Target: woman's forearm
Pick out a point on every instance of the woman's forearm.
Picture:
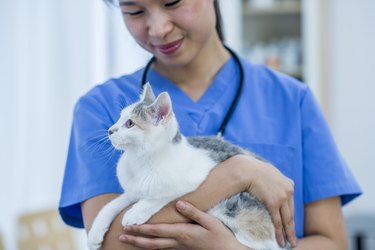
(324, 226)
(224, 181)
(310, 243)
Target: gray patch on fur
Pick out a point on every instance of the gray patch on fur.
(218, 149)
(177, 138)
(249, 201)
(234, 207)
(242, 201)
(231, 207)
(139, 110)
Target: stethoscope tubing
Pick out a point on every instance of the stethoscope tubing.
(232, 107)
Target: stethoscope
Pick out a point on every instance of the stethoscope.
(233, 106)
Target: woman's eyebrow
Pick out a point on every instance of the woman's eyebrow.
(127, 3)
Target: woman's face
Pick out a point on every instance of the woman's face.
(174, 31)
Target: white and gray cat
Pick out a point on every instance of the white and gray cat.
(160, 165)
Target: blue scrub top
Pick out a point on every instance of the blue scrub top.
(277, 117)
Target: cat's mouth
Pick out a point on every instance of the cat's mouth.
(120, 145)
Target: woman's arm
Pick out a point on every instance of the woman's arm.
(208, 233)
(324, 226)
(324, 229)
(225, 180)
(228, 178)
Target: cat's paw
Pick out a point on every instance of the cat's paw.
(95, 238)
(134, 217)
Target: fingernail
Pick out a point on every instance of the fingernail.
(181, 205)
(282, 243)
(294, 243)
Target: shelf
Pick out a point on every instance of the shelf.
(297, 72)
(272, 34)
(287, 8)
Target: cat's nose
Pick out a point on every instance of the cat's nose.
(111, 131)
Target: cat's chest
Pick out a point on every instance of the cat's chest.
(146, 172)
(175, 174)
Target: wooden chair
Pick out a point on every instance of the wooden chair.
(44, 230)
(2, 247)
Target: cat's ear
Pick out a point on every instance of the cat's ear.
(147, 94)
(161, 109)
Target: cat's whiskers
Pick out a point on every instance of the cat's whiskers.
(98, 143)
(98, 136)
(101, 148)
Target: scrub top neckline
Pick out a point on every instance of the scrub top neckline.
(217, 97)
(222, 79)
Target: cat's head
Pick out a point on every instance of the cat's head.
(146, 124)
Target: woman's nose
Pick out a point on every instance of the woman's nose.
(159, 25)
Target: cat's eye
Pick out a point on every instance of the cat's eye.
(129, 123)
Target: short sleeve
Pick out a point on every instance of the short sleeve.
(325, 173)
(90, 168)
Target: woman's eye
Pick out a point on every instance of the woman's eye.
(172, 3)
(129, 123)
(136, 13)
(133, 13)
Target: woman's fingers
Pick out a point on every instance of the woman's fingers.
(276, 220)
(287, 215)
(191, 212)
(149, 243)
(283, 220)
(154, 230)
(169, 235)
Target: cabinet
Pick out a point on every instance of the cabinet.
(271, 34)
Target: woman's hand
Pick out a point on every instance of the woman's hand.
(275, 190)
(209, 233)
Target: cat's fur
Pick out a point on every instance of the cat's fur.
(160, 165)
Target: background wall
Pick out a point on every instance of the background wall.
(352, 64)
(340, 52)
(340, 59)
(53, 52)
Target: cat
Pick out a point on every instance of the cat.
(160, 165)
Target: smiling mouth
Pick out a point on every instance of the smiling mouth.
(170, 48)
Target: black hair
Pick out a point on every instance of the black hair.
(219, 19)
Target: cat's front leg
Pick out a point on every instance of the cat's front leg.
(142, 211)
(104, 219)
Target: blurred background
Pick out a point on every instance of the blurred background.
(52, 52)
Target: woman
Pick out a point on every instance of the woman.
(276, 117)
